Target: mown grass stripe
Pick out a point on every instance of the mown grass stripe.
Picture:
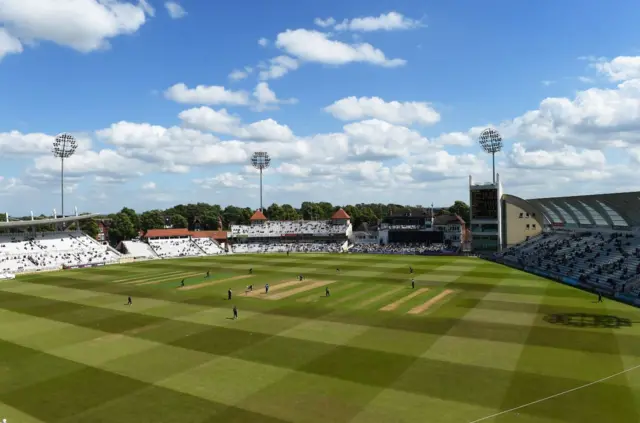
(431, 302)
(394, 305)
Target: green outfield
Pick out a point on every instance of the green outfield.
(473, 341)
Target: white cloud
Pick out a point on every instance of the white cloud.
(149, 186)
(546, 83)
(290, 169)
(264, 94)
(621, 68)
(376, 139)
(565, 158)
(278, 67)
(584, 144)
(9, 44)
(204, 94)
(595, 118)
(207, 119)
(263, 42)
(174, 149)
(237, 74)
(225, 180)
(16, 143)
(220, 121)
(324, 23)
(11, 186)
(585, 79)
(353, 108)
(267, 99)
(314, 46)
(104, 163)
(84, 25)
(392, 21)
(454, 138)
(175, 10)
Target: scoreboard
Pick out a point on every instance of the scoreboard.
(484, 204)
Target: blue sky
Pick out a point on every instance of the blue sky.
(557, 79)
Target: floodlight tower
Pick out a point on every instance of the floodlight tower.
(261, 161)
(63, 147)
(491, 143)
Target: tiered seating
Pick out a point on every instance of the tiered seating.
(139, 249)
(278, 229)
(404, 227)
(180, 247)
(601, 259)
(398, 248)
(67, 249)
(302, 247)
(24, 252)
(209, 246)
(16, 264)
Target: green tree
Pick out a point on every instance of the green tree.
(152, 219)
(179, 221)
(274, 212)
(209, 221)
(90, 227)
(461, 209)
(121, 228)
(289, 213)
(133, 217)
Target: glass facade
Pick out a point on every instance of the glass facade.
(485, 242)
(597, 217)
(581, 217)
(553, 216)
(613, 215)
(565, 215)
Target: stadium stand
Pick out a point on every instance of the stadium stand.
(604, 260)
(138, 250)
(400, 248)
(280, 229)
(51, 250)
(264, 236)
(175, 247)
(208, 246)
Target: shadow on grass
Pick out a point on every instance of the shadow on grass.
(588, 320)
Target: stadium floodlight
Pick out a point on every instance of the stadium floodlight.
(261, 161)
(491, 143)
(63, 147)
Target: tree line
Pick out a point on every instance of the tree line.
(127, 223)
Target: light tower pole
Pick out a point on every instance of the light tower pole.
(261, 161)
(63, 147)
(491, 143)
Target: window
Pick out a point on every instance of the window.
(527, 226)
(534, 226)
(527, 215)
(521, 215)
(533, 215)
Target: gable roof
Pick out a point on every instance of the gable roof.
(154, 233)
(209, 234)
(258, 215)
(340, 214)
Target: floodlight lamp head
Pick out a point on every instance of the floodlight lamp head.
(490, 140)
(260, 160)
(64, 146)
